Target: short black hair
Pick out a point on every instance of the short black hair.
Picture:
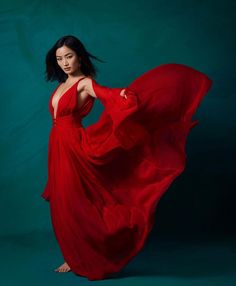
(54, 72)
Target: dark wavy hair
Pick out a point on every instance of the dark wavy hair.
(54, 72)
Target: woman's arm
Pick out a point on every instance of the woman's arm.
(88, 87)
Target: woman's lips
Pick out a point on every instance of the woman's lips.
(67, 69)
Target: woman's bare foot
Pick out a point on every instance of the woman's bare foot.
(63, 268)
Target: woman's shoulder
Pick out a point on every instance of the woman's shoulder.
(87, 83)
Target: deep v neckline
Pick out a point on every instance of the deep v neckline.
(57, 105)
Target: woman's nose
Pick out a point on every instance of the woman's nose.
(65, 63)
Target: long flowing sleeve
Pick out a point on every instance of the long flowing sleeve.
(160, 103)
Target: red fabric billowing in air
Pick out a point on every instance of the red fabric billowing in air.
(105, 180)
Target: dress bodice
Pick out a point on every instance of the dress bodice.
(68, 113)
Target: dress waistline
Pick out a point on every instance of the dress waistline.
(71, 120)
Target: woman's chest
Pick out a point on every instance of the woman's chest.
(72, 100)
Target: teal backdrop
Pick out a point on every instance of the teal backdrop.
(193, 241)
(131, 37)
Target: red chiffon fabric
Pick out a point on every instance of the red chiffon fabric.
(105, 180)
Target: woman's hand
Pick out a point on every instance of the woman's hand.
(122, 93)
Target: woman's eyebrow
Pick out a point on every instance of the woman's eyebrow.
(65, 55)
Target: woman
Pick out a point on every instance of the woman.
(105, 180)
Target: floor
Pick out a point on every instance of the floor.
(30, 259)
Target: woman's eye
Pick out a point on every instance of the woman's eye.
(69, 57)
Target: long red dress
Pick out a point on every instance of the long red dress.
(105, 180)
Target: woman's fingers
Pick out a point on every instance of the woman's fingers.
(122, 93)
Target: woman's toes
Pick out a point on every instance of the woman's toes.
(63, 268)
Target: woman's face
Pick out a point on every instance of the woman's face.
(67, 60)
